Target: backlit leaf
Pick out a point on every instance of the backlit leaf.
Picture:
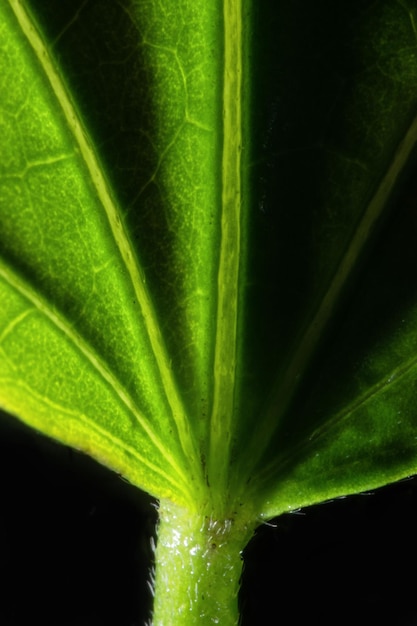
(201, 284)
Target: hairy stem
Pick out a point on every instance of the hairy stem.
(198, 567)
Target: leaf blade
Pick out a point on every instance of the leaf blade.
(289, 423)
(111, 243)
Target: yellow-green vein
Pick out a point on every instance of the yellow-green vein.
(229, 255)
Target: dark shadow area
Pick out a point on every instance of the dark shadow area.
(313, 169)
(345, 562)
(76, 538)
(373, 318)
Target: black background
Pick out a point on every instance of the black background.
(75, 549)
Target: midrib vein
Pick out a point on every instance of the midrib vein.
(228, 271)
(62, 325)
(285, 389)
(120, 235)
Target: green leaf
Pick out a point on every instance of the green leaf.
(79, 334)
(193, 289)
(344, 421)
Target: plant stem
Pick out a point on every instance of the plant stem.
(198, 567)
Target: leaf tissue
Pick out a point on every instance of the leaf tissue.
(198, 285)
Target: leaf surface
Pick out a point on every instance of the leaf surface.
(347, 416)
(73, 285)
(196, 258)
